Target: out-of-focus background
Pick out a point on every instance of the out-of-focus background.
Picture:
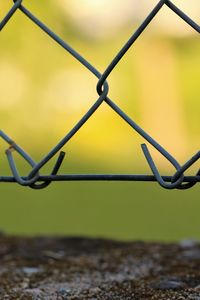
(44, 92)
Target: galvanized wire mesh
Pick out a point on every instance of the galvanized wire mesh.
(37, 181)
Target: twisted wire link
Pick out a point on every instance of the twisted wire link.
(36, 181)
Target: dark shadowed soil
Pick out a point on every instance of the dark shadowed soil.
(78, 268)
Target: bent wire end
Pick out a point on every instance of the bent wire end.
(14, 170)
(22, 153)
(156, 173)
(32, 181)
(54, 172)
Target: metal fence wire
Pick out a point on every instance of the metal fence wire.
(37, 181)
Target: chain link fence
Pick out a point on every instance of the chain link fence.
(35, 180)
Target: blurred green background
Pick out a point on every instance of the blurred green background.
(44, 92)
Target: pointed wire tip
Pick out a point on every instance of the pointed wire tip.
(143, 146)
(62, 154)
(147, 154)
(59, 162)
(145, 149)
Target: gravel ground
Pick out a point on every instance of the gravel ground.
(81, 268)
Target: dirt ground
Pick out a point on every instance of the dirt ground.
(81, 268)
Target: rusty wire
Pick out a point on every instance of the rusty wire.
(36, 181)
